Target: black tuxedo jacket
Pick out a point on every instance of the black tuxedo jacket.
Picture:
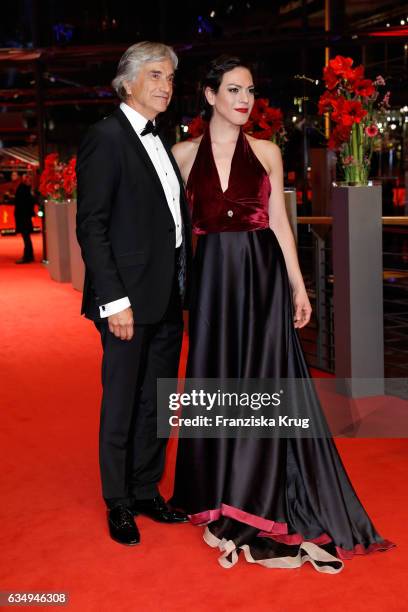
(124, 225)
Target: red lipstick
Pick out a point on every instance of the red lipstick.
(242, 110)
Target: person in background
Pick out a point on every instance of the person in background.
(23, 213)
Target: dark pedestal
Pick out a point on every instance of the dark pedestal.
(358, 290)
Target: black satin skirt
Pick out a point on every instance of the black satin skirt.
(281, 501)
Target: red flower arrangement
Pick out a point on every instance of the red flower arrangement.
(69, 180)
(196, 127)
(58, 180)
(265, 123)
(353, 104)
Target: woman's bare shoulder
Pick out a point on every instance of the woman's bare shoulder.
(267, 147)
(185, 153)
(186, 149)
(268, 153)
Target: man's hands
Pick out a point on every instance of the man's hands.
(121, 324)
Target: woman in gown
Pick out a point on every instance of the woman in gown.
(280, 501)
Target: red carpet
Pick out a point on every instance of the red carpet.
(53, 527)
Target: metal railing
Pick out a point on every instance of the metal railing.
(315, 256)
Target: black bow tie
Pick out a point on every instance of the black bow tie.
(149, 128)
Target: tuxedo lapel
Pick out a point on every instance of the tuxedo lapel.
(173, 161)
(185, 250)
(141, 151)
(183, 201)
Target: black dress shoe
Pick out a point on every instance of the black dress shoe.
(122, 526)
(158, 510)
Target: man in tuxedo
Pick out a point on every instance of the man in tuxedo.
(134, 231)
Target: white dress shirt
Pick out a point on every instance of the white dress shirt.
(171, 187)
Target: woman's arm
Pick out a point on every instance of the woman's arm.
(279, 223)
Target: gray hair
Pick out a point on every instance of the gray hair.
(133, 59)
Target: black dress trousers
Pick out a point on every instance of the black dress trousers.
(130, 453)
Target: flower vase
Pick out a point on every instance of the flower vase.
(56, 214)
(358, 290)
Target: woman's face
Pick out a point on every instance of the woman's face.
(235, 97)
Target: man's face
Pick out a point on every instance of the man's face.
(150, 93)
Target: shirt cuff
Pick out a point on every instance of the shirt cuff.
(114, 307)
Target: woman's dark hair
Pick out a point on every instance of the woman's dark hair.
(213, 78)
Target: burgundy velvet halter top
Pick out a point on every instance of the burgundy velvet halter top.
(244, 204)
